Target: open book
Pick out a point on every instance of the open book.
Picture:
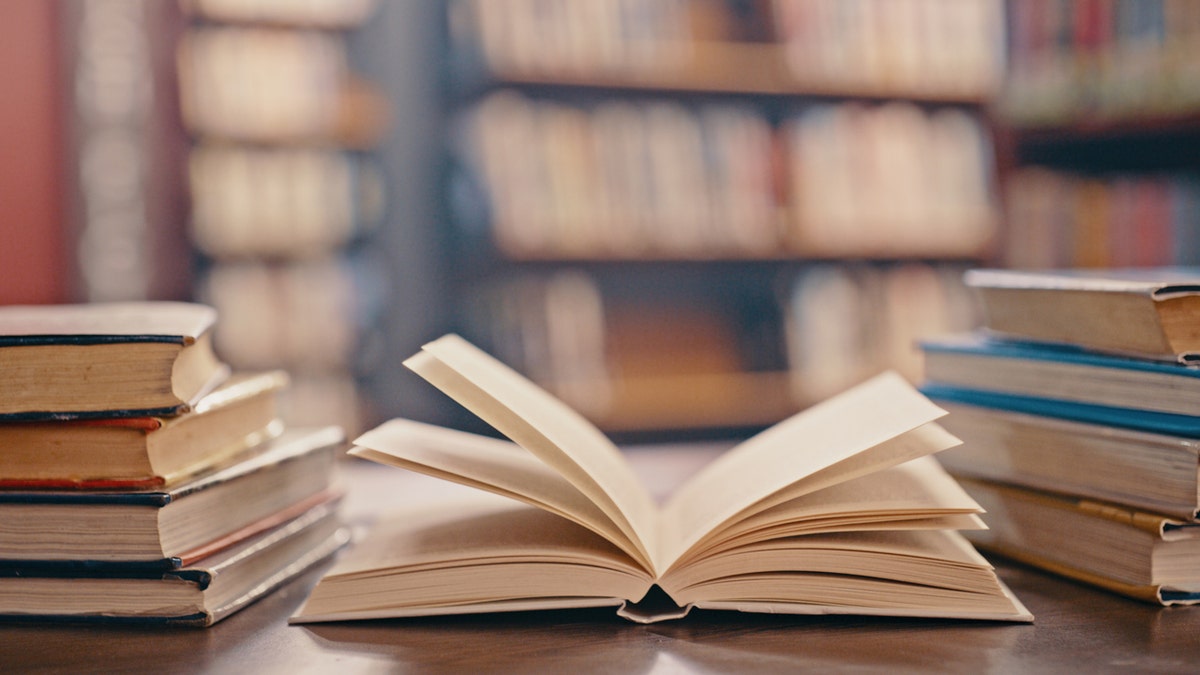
(835, 510)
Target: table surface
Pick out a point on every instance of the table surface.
(1077, 628)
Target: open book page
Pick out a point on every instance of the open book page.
(545, 426)
(908, 573)
(490, 464)
(884, 415)
(474, 550)
(931, 558)
(918, 494)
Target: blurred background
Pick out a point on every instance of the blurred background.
(684, 217)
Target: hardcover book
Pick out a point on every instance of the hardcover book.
(105, 359)
(228, 424)
(200, 593)
(1143, 555)
(1149, 471)
(838, 510)
(1061, 372)
(1149, 312)
(153, 527)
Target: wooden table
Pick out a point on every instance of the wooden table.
(1078, 629)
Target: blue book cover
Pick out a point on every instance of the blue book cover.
(1064, 373)
(1129, 418)
(984, 344)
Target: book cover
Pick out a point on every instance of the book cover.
(129, 359)
(1127, 418)
(199, 593)
(1143, 555)
(1150, 471)
(1148, 312)
(1062, 372)
(132, 453)
(149, 525)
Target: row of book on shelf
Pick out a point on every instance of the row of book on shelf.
(840, 324)
(284, 202)
(659, 178)
(285, 194)
(312, 317)
(141, 480)
(1101, 60)
(275, 84)
(1058, 219)
(873, 45)
(1078, 411)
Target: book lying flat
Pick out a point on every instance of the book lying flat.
(1061, 372)
(150, 526)
(1124, 418)
(1146, 312)
(143, 452)
(1152, 471)
(105, 359)
(199, 594)
(1135, 553)
(838, 510)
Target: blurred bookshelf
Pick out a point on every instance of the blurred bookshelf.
(1100, 119)
(701, 216)
(286, 194)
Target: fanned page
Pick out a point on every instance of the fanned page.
(473, 553)
(878, 424)
(546, 427)
(489, 464)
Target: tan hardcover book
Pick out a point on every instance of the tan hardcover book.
(226, 425)
(94, 529)
(837, 510)
(1136, 553)
(1143, 312)
(105, 359)
(198, 593)
(1153, 471)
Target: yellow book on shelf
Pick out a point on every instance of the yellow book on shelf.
(837, 510)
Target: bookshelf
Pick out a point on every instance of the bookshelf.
(701, 216)
(1100, 117)
(286, 193)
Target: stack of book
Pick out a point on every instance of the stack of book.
(139, 479)
(1079, 408)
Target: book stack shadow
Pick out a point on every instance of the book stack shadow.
(1079, 407)
(140, 480)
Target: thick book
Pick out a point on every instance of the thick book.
(837, 510)
(82, 527)
(1150, 471)
(1150, 312)
(1124, 418)
(129, 453)
(1143, 555)
(198, 594)
(105, 359)
(1061, 372)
